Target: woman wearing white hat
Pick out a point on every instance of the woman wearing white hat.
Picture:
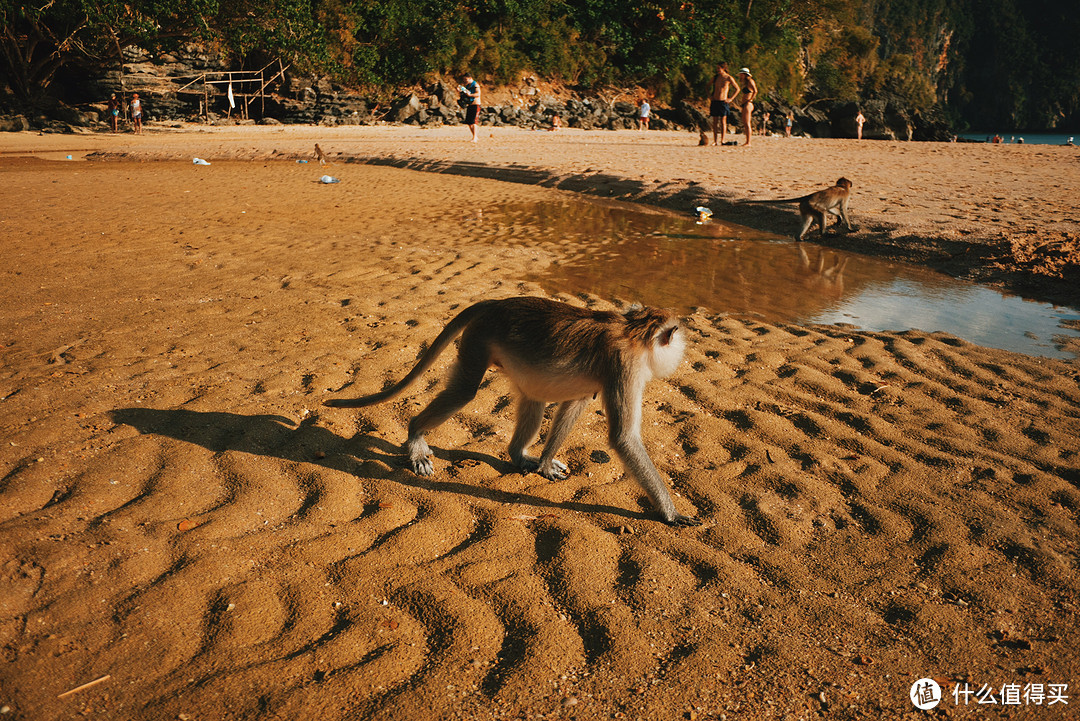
(749, 90)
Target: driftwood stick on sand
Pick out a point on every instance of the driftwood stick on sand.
(85, 686)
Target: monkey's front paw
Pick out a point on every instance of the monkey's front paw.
(423, 466)
(556, 471)
(681, 521)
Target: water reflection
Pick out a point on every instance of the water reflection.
(617, 250)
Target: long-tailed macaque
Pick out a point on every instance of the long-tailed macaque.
(553, 353)
(816, 206)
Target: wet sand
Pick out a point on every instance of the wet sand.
(180, 514)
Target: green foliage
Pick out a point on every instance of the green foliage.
(842, 69)
(901, 78)
(1006, 63)
(1022, 70)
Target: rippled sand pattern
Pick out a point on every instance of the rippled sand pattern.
(177, 510)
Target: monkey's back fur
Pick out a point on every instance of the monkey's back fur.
(575, 342)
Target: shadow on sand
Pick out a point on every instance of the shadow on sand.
(363, 455)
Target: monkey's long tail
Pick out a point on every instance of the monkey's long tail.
(452, 330)
(778, 200)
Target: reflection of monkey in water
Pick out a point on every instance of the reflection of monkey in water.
(816, 206)
(825, 280)
(553, 353)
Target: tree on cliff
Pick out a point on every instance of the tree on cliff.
(38, 39)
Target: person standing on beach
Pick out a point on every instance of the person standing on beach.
(136, 113)
(643, 115)
(114, 112)
(471, 92)
(859, 120)
(787, 125)
(720, 101)
(749, 91)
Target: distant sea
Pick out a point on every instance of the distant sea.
(1029, 138)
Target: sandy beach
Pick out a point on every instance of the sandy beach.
(186, 528)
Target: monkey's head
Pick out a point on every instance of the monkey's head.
(657, 333)
(844, 183)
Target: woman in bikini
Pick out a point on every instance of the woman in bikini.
(749, 90)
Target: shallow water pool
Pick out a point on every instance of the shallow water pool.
(618, 250)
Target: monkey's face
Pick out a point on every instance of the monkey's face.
(666, 351)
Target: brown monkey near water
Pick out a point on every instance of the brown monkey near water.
(816, 207)
(553, 353)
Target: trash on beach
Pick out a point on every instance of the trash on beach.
(327, 179)
(200, 161)
(302, 162)
(69, 157)
(703, 212)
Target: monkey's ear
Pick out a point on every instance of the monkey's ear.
(667, 335)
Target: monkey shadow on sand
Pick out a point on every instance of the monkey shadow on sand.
(363, 455)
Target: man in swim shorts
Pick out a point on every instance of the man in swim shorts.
(470, 91)
(720, 101)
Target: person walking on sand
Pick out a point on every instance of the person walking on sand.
(859, 120)
(114, 112)
(720, 97)
(643, 115)
(136, 113)
(471, 91)
(749, 91)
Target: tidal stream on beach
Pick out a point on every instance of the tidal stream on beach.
(663, 258)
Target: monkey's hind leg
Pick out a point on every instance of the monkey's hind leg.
(565, 416)
(530, 416)
(807, 221)
(461, 388)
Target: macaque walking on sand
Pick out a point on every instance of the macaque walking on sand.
(553, 353)
(816, 207)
